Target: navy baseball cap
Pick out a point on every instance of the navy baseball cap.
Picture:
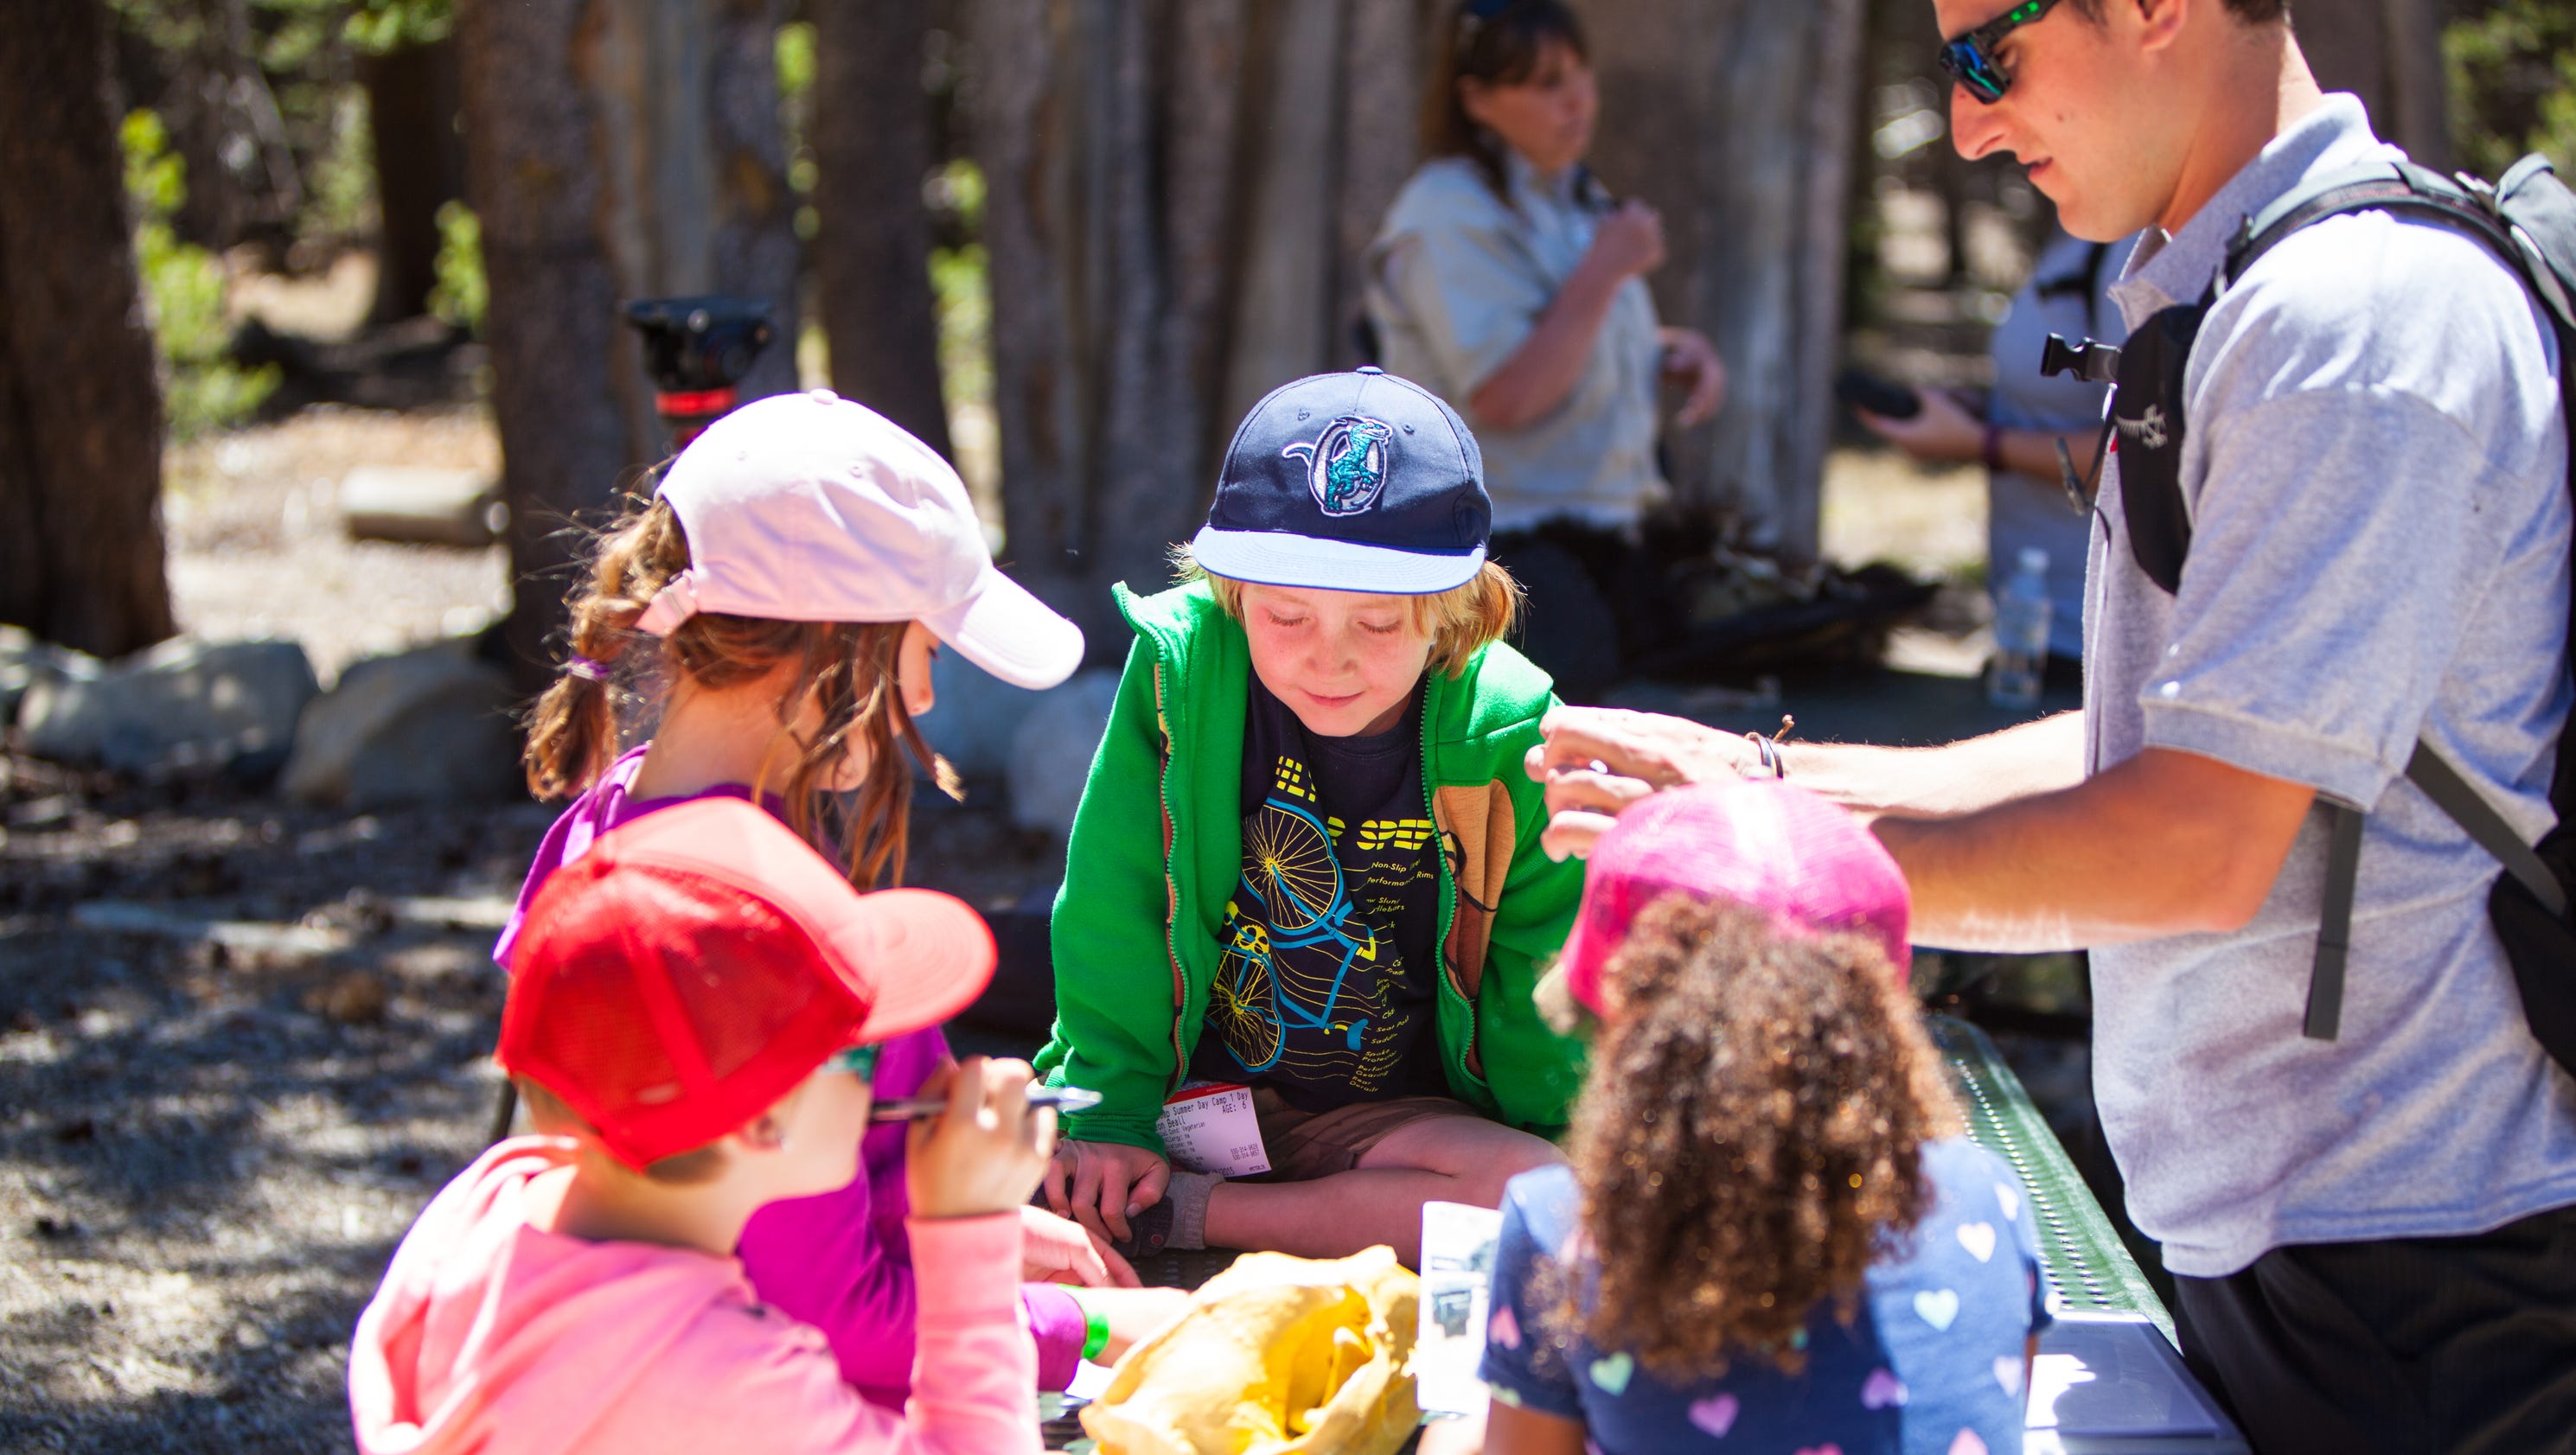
(1350, 482)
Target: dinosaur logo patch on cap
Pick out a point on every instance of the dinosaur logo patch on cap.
(1346, 465)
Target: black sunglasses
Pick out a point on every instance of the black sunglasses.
(1971, 58)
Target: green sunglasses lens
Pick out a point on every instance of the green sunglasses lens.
(858, 1061)
(1963, 60)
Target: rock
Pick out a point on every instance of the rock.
(1052, 749)
(24, 661)
(973, 721)
(413, 503)
(425, 726)
(181, 706)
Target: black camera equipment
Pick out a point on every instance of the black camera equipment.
(698, 350)
(2091, 362)
(2094, 364)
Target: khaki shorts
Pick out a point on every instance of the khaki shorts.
(1305, 1145)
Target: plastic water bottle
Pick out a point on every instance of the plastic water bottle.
(2021, 635)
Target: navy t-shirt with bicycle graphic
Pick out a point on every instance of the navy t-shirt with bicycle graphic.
(1328, 988)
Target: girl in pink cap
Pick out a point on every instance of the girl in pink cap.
(778, 604)
(1774, 1233)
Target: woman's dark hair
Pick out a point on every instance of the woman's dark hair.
(1497, 43)
(1750, 1136)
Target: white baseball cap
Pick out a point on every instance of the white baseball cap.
(811, 507)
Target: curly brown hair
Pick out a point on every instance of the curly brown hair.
(1750, 1135)
(847, 668)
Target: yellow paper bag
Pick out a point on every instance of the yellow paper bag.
(1276, 1356)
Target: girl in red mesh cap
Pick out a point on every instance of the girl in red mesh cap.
(778, 603)
(694, 1020)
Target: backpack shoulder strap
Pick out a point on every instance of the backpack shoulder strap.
(2387, 186)
(2475, 209)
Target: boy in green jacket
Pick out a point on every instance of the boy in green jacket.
(1307, 859)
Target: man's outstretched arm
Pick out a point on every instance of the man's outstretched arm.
(2006, 844)
(2167, 843)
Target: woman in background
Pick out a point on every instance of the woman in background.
(1509, 282)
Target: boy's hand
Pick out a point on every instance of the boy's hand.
(985, 1153)
(1053, 1250)
(1102, 1184)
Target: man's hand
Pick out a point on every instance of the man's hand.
(1943, 430)
(1102, 1184)
(1598, 760)
(1054, 1250)
(1691, 361)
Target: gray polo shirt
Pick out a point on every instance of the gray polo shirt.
(2376, 474)
(1457, 279)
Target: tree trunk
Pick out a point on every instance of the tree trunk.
(871, 140)
(2389, 53)
(1178, 196)
(81, 560)
(616, 149)
(1106, 130)
(1736, 119)
(412, 106)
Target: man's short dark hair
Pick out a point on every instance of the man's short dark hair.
(2251, 12)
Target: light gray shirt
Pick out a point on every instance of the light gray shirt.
(2375, 468)
(1457, 279)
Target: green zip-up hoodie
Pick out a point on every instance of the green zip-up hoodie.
(1157, 849)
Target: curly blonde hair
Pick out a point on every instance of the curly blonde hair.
(1750, 1133)
(1460, 621)
(847, 668)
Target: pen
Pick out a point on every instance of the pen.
(913, 1108)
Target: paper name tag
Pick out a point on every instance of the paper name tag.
(1209, 1127)
(1457, 1273)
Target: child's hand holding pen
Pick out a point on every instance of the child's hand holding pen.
(914, 1108)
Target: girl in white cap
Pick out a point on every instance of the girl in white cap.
(779, 602)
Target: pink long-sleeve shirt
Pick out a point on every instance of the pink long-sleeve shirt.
(493, 1336)
(839, 1261)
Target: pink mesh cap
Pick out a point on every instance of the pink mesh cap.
(1761, 843)
(811, 507)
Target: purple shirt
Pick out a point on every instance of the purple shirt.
(840, 1261)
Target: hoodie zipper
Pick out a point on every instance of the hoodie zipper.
(1171, 887)
(1448, 901)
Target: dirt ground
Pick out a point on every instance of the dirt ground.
(210, 1141)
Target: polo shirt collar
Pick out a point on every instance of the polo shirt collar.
(1526, 181)
(2169, 269)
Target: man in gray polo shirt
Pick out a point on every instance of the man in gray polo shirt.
(2374, 1237)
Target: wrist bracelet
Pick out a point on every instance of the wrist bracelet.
(1994, 448)
(1095, 1331)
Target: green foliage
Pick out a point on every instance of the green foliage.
(961, 284)
(462, 293)
(795, 51)
(2513, 84)
(378, 26)
(340, 189)
(183, 290)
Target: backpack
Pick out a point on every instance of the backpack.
(2528, 220)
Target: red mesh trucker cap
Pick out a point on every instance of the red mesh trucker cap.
(697, 963)
(1807, 863)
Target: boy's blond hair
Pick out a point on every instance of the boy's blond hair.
(1460, 621)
